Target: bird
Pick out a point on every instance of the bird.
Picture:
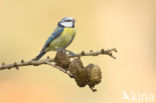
(61, 37)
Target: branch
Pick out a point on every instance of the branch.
(84, 75)
(59, 68)
(96, 53)
(46, 61)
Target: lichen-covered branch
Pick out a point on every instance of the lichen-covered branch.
(44, 61)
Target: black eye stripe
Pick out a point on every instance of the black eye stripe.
(68, 20)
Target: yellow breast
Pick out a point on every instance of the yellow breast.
(63, 39)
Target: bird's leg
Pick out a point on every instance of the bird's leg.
(61, 49)
(71, 53)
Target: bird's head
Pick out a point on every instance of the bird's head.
(67, 22)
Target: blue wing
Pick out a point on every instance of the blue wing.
(57, 32)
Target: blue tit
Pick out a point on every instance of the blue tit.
(61, 38)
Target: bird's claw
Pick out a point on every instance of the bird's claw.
(62, 50)
(71, 53)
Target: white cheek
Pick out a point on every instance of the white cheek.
(67, 24)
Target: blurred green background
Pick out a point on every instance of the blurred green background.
(128, 25)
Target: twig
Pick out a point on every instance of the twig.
(59, 68)
(96, 53)
(44, 61)
(26, 63)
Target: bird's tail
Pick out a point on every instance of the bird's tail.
(39, 56)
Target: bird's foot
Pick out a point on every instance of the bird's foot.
(62, 50)
(71, 53)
